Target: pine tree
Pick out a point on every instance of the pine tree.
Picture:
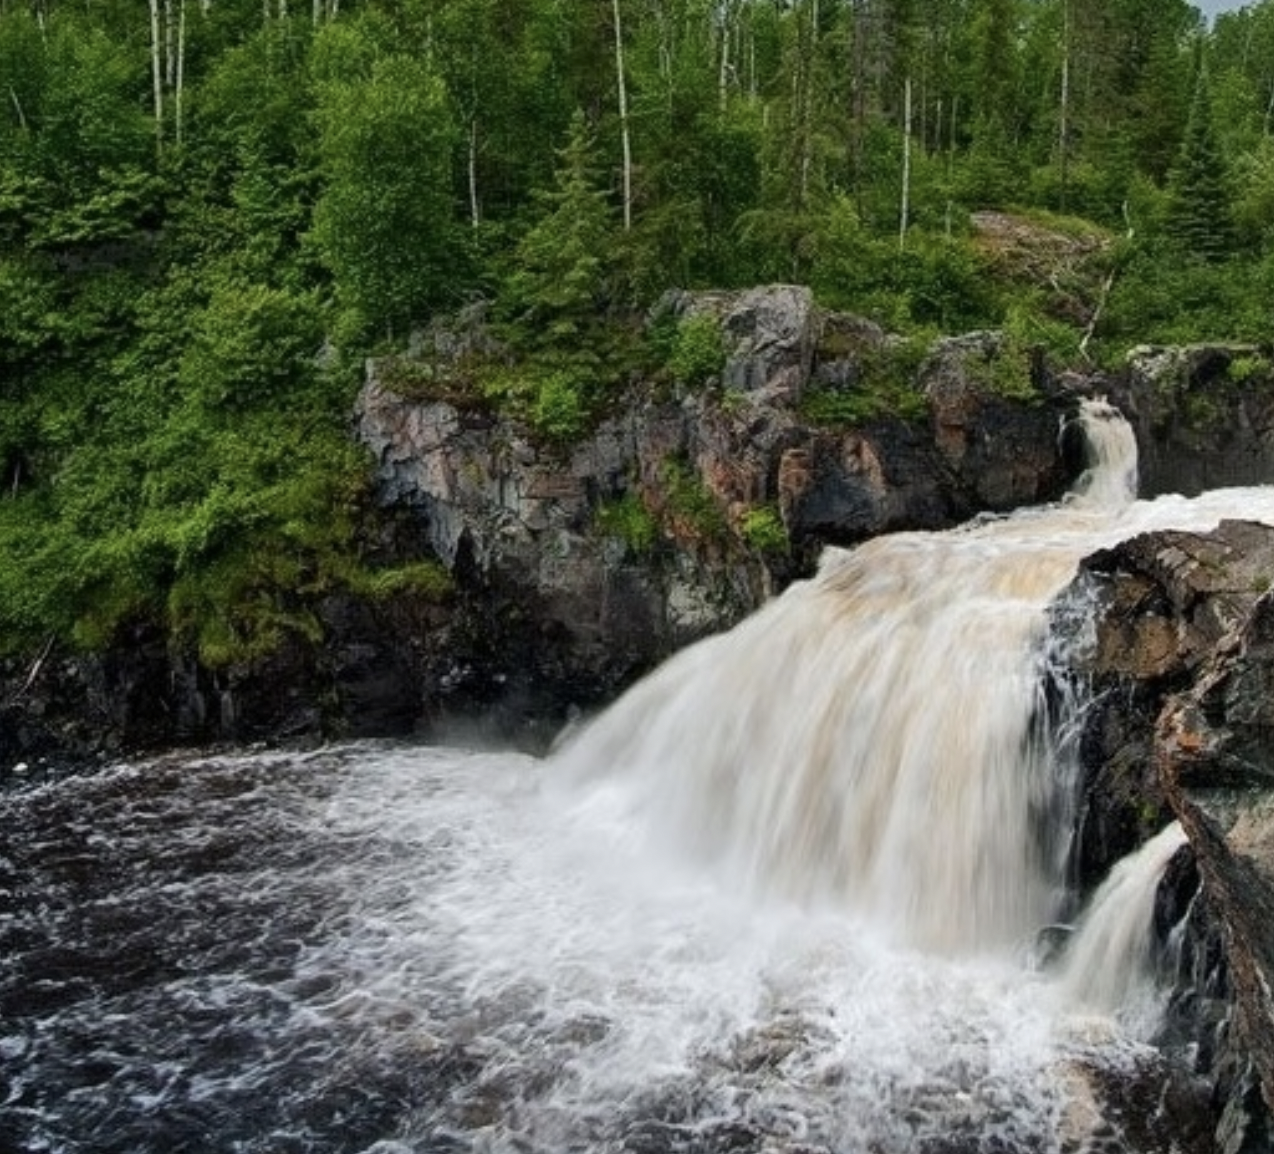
(1199, 215)
(558, 286)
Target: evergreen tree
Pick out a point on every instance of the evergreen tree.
(559, 287)
(1200, 217)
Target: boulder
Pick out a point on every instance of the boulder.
(1214, 748)
(768, 334)
(1203, 414)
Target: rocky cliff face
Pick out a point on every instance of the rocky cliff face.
(684, 510)
(576, 569)
(1183, 674)
(1204, 416)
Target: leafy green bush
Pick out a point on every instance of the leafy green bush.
(688, 502)
(1247, 367)
(559, 412)
(697, 353)
(555, 400)
(885, 386)
(762, 529)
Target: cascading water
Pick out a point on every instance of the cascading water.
(1106, 966)
(771, 901)
(872, 739)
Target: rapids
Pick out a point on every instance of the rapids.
(779, 898)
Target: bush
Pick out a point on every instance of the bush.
(762, 529)
(559, 412)
(698, 353)
(689, 504)
(630, 521)
(885, 387)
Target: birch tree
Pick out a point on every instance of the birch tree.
(168, 67)
(621, 83)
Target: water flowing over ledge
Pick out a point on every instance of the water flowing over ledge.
(775, 900)
(877, 738)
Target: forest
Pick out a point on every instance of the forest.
(212, 211)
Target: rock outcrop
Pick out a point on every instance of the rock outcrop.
(576, 568)
(1183, 672)
(683, 510)
(1203, 414)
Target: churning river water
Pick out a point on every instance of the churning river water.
(782, 897)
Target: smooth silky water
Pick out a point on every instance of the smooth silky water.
(780, 897)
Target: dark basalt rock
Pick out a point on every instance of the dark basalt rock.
(1183, 727)
(562, 609)
(1203, 415)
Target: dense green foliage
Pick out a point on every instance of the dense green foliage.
(209, 213)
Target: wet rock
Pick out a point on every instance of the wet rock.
(1183, 726)
(586, 567)
(578, 569)
(1216, 762)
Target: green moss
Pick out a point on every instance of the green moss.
(885, 386)
(1006, 373)
(628, 519)
(427, 579)
(559, 402)
(689, 503)
(762, 529)
(1247, 368)
(1202, 409)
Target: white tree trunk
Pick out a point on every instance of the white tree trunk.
(180, 72)
(723, 71)
(475, 215)
(17, 107)
(623, 118)
(157, 73)
(1063, 115)
(803, 79)
(904, 211)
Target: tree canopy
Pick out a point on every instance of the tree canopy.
(210, 212)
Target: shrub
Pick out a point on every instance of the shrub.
(628, 519)
(885, 387)
(697, 352)
(559, 412)
(762, 529)
(689, 503)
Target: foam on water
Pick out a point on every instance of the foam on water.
(419, 946)
(876, 739)
(774, 900)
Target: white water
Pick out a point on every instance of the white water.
(772, 901)
(1107, 963)
(871, 742)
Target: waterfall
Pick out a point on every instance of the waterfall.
(873, 740)
(1110, 480)
(1107, 963)
(771, 900)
